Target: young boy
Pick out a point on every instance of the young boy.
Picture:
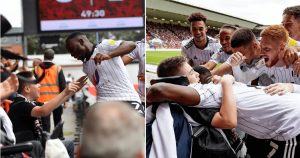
(25, 113)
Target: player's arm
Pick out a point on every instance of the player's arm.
(126, 59)
(227, 117)
(124, 48)
(210, 65)
(183, 95)
(282, 88)
(48, 107)
(225, 68)
(214, 59)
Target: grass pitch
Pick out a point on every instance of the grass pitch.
(155, 57)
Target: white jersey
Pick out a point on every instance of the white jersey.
(259, 114)
(139, 53)
(110, 77)
(220, 57)
(245, 73)
(198, 56)
(275, 74)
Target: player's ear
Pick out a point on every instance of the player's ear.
(26, 89)
(282, 46)
(81, 41)
(282, 49)
(255, 45)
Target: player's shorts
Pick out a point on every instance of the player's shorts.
(137, 106)
(273, 148)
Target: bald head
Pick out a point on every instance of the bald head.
(112, 129)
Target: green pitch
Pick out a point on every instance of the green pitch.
(155, 57)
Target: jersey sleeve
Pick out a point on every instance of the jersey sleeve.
(216, 57)
(201, 92)
(134, 54)
(108, 45)
(247, 76)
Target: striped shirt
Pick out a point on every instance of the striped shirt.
(220, 57)
(110, 77)
(198, 56)
(273, 74)
(139, 53)
(259, 114)
(245, 73)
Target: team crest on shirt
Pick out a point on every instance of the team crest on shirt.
(112, 42)
(95, 79)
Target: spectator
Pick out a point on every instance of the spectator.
(52, 81)
(112, 129)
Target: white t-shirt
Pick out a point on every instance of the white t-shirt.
(139, 53)
(110, 77)
(200, 56)
(259, 114)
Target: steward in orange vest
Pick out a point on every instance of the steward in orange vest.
(49, 82)
(52, 81)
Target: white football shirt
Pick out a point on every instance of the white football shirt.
(110, 77)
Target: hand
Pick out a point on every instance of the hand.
(290, 56)
(101, 57)
(279, 88)
(236, 59)
(74, 87)
(228, 78)
(216, 79)
(82, 81)
(10, 85)
(141, 77)
(296, 68)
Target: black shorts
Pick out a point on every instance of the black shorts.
(137, 106)
(262, 148)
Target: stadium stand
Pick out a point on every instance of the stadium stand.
(172, 35)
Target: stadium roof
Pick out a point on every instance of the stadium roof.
(167, 10)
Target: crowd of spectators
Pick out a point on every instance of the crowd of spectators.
(171, 35)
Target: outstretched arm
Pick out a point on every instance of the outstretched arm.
(48, 107)
(282, 88)
(183, 95)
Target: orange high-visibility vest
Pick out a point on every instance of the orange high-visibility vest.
(49, 84)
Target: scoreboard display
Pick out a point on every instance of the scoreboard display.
(64, 15)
